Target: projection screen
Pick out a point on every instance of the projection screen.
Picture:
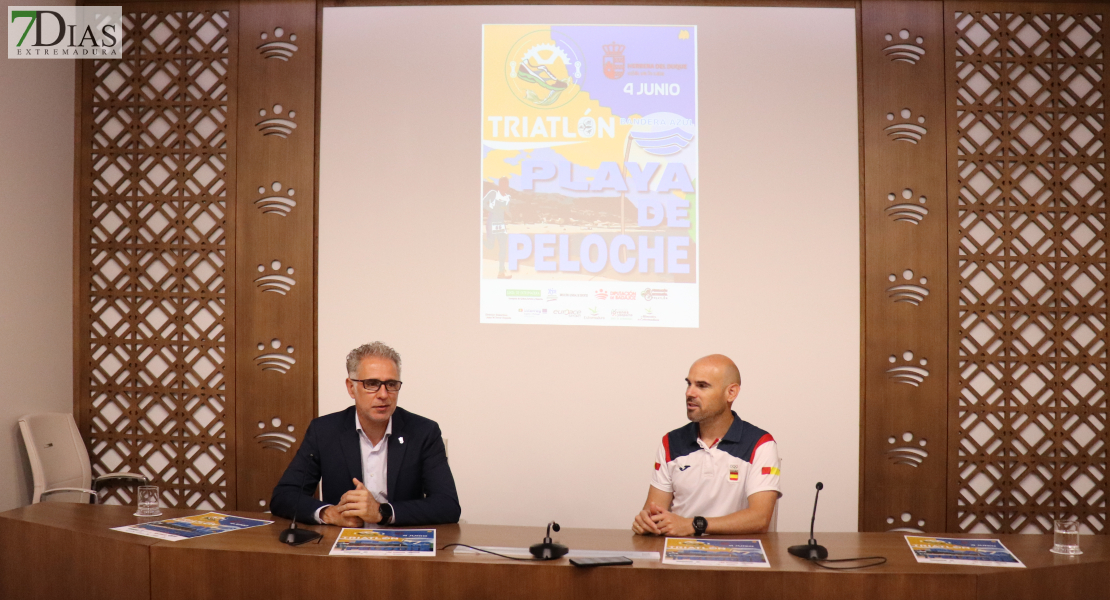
(661, 182)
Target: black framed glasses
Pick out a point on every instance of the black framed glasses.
(373, 385)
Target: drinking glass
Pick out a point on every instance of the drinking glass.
(148, 501)
(1065, 537)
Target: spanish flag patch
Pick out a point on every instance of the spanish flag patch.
(771, 471)
(733, 474)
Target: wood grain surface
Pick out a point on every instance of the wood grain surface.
(273, 243)
(55, 550)
(902, 467)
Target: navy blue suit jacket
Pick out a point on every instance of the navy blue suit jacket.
(419, 482)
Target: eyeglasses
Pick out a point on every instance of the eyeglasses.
(373, 385)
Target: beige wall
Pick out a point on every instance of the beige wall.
(36, 253)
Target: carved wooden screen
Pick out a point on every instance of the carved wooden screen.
(905, 227)
(1027, 267)
(275, 227)
(156, 258)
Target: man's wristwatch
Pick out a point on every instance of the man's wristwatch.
(700, 525)
(386, 512)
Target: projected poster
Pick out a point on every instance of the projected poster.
(589, 202)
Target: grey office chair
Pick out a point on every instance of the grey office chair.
(60, 464)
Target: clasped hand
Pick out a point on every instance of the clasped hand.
(656, 521)
(356, 508)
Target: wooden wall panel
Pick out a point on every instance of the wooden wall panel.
(1027, 266)
(275, 232)
(904, 413)
(154, 305)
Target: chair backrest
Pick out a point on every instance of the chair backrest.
(57, 454)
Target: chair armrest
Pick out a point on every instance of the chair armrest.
(95, 499)
(121, 475)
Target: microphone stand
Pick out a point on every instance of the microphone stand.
(294, 536)
(548, 550)
(811, 551)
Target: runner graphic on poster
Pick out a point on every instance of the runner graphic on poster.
(589, 200)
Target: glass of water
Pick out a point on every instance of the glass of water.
(148, 501)
(1065, 537)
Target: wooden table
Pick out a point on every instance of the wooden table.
(55, 551)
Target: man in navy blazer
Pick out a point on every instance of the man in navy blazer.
(380, 464)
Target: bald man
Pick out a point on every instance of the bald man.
(718, 474)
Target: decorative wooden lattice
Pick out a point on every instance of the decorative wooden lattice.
(1028, 271)
(156, 217)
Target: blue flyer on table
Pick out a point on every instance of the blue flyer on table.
(385, 542)
(715, 553)
(957, 551)
(183, 528)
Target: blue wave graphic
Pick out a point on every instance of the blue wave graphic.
(662, 143)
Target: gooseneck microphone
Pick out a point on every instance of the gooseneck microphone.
(548, 550)
(811, 551)
(294, 536)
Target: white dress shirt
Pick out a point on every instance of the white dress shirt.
(375, 465)
(375, 461)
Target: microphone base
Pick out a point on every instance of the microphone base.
(296, 537)
(809, 551)
(548, 550)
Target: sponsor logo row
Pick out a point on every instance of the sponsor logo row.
(592, 313)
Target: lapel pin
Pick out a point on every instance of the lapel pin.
(401, 439)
